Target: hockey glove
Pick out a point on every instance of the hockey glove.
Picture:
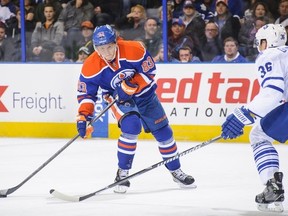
(107, 98)
(235, 122)
(125, 90)
(83, 125)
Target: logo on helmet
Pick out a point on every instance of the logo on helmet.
(101, 35)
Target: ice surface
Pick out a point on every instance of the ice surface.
(225, 175)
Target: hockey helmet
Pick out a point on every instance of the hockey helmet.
(103, 34)
(274, 34)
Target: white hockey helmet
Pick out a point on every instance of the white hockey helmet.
(274, 34)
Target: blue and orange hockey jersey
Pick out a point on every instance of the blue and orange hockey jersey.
(131, 60)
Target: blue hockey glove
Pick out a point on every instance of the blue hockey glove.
(83, 126)
(235, 122)
(125, 90)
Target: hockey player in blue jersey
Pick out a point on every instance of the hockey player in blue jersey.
(126, 69)
(270, 108)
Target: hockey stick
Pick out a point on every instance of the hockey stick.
(70, 198)
(5, 192)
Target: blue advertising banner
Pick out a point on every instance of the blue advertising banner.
(101, 125)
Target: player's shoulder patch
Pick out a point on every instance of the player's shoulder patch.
(93, 65)
(131, 50)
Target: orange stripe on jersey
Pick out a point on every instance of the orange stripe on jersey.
(126, 146)
(86, 109)
(93, 65)
(165, 151)
(131, 50)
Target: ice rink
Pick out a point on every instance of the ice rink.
(225, 174)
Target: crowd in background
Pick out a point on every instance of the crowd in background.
(198, 30)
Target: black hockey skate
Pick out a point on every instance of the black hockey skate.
(270, 200)
(182, 179)
(123, 187)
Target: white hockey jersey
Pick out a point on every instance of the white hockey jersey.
(272, 68)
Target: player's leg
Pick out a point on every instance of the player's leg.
(130, 126)
(155, 121)
(168, 148)
(267, 162)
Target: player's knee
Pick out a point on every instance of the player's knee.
(163, 134)
(258, 135)
(131, 124)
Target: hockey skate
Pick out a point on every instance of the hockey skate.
(270, 200)
(123, 187)
(182, 179)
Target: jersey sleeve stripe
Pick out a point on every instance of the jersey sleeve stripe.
(275, 88)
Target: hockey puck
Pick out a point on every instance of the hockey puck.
(3, 196)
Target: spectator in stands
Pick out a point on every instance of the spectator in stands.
(195, 25)
(59, 55)
(101, 18)
(236, 7)
(186, 55)
(76, 12)
(87, 29)
(6, 47)
(29, 16)
(177, 8)
(178, 38)
(229, 26)
(247, 36)
(5, 14)
(259, 9)
(169, 18)
(152, 37)
(283, 18)
(39, 9)
(260, 15)
(131, 26)
(46, 36)
(212, 45)
(204, 7)
(248, 7)
(231, 54)
(13, 32)
(283, 11)
(13, 23)
(160, 55)
(273, 6)
(10, 5)
(105, 12)
(83, 54)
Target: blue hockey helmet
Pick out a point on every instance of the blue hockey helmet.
(103, 35)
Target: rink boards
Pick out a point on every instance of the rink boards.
(39, 100)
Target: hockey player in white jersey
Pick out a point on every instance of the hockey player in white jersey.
(269, 112)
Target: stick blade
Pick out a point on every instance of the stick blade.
(3, 193)
(64, 197)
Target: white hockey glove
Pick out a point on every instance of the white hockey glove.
(235, 122)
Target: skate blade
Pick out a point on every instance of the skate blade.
(183, 186)
(271, 207)
(120, 189)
